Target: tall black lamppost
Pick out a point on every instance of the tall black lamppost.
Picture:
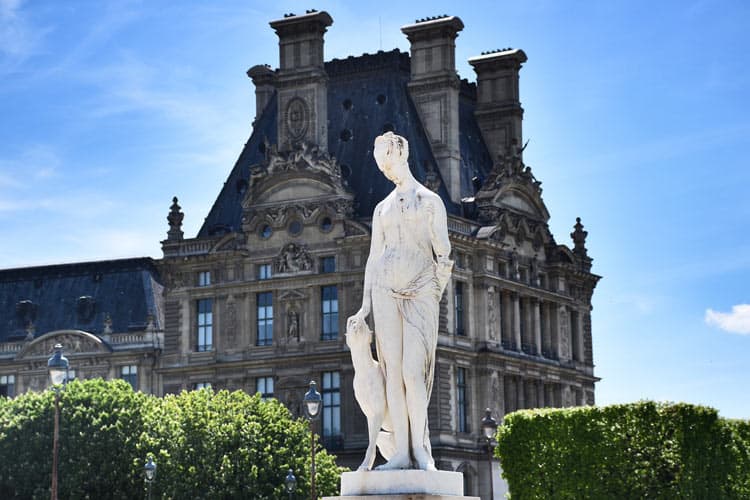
(290, 483)
(313, 401)
(150, 470)
(57, 366)
(489, 427)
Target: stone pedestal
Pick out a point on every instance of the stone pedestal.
(402, 497)
(402, 485)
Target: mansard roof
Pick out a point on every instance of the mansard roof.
(79, 296)
(367, 96)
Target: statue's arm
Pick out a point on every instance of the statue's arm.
(441, 244)
(376, 248)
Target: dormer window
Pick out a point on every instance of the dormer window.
(85, 308)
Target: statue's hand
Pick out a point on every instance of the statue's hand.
(358, 318)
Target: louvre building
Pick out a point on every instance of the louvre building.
(259, 298)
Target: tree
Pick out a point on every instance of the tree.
(206, 445)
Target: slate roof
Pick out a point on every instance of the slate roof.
(367, 95)
(127, 289)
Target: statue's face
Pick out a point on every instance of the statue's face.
(389, 159)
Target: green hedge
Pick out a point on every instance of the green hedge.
(640, 450)
(206, 445)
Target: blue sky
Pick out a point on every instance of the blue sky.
(637, 112)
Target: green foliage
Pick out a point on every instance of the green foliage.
(219, 446)
(640, 450)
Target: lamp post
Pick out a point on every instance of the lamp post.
(489, 426)
(290, 483)
(150, 470)
(57, 366)
(313, 401)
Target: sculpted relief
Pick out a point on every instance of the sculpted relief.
(292, 259)
(406, 272)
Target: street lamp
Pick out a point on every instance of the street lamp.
(313, 401)
(150, 470)
(489, 427)
(57, 366)
(290, 483)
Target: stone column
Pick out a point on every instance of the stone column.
(540, 393)
(508, 393)
(520, 400)
(579, 337)
(516, 320)
(537, 327)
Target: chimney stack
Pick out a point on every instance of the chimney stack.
(302, 83)
(264, 80)
(499, 112)
(434, 88)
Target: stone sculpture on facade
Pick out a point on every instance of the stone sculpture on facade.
(403, 285)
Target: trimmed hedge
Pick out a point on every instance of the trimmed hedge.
(639, 450)
(206, 445)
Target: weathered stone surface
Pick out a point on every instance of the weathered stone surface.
(402, 482)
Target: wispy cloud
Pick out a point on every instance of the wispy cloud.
(19, 39)
(737, 321)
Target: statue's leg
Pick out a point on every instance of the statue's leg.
(417, 399)
(389, 338)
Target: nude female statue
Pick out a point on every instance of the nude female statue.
(406, 273)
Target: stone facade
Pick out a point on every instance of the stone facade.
(259, 298)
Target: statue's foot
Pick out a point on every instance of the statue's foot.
(424, 460)
(363, 467)
(398, 462)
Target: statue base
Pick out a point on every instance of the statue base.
(404, 496)
(398, 484)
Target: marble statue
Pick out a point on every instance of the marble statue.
(406, 273)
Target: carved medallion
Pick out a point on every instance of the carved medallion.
(297, 118)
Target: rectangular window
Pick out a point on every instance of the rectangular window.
(204, 341)
(331, 406)
(129, 374)
(462, 404)
(201, 385)
(458, 303)
(330, 313)
(264, 272)
(204, 278)
(328, 264)
(265, 318)
(8, 385)
(264, 385)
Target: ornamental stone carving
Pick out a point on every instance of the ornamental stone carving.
(292, 259)
(297, 118)
(302, 157)
(72, 341)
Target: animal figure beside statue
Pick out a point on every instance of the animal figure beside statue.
(369, 389)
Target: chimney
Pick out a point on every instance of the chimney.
(434, 88)
(499, 112)
(302, 82)
(264, 80)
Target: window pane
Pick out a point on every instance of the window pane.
(329, 313)
(204, 331)
(265, 318)
(331, 404)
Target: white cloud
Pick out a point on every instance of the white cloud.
(737, 321)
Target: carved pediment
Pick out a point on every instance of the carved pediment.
(289, 295)
(511, 186)
(304, 161)
(73, 342)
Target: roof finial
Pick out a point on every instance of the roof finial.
(579, 239)
(175, 221)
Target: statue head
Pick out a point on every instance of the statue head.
(391, 153)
